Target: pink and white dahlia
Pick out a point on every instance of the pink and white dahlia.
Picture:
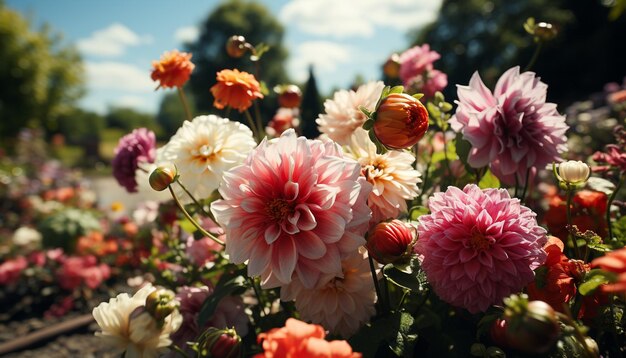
(204, 149)
(295, 206)
(340, 302)
(343, 115)
(415, 61)
(479, 246)
(511, 129)
(391, 174)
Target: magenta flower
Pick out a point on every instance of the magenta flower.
(512, 129)
(137, 147)
(295, 206)
(416, 60)
(479, 246)
(77, 270)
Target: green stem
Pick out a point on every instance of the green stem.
(375, 278)
(570, 193)
(535, 56)
(608, 206)
(200, 206)
(525, 185)
(252, 125)
(259, 122)
(183, 99)
(516, 186)
(253, 283)
(193, 222)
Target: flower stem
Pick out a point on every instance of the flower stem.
(257, 292)
(193, 222)
(533, 59)
(525, 185)
(375, 278)
(255, 132)
(608, 206)
(570, 193)
(259, 123)
(200, 206)
(183, 99)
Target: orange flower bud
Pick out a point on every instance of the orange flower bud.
(163, 176)
(289, 96)
(401, 121)
(389, 241)
(236, 46)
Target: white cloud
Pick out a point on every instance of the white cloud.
(357, 18)
(111, 41)
(187, 34)
(325, 56)
(119, 76)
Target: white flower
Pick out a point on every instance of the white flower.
(126, 326)
(343, 115)
(573, 172)
(25, 236)
(340, 302)
(391, 174)
(204, 149)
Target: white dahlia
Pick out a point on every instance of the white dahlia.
(340, 302)
(391, 174)
(125, 325)
(204, 149)
(343, 115)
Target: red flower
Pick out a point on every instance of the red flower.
(614, 261)
(588, 209)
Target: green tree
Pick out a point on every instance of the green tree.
(237, 17)
(128, 119)
(83, 128)
(171, 114)
(41, 77)
(311, 107)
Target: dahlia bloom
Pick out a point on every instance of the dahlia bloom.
(295, 206)
(511, 129)
(10, 270)
(613, 156)
(416, 60)
(479, 246)
(401, 121)
(235, 89)
(173, 69)
(343, 115)
(301, 340)
(204, 149)
(428, 83)
(125, 324)
(228, 314)
(393, 178)
(82, 269)
(132, 150)
(340, 302)
(614, 261)
(284, 119)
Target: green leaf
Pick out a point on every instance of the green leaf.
(600, 247)
(365, 111)
(433, 110)
(417, 211)
(418, 96)
(225, 287)
(186, 225)
(259, 50)
(445, 106)
(489, 181)
(398, 331)
(396, 89)
(593, 280)
(463, 147)
(402, 279)
(263, 88)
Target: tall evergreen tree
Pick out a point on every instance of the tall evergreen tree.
(311, 107)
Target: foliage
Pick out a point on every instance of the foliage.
(311, 107)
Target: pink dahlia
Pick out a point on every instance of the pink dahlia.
(416, 60)
(294, 206)
(133, 149)
(479, 246)
(511, 129)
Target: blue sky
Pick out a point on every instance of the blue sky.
(118, 39)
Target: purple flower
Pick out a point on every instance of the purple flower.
(511, 129)
(137, 147)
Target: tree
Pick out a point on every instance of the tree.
(83, 128)
(254, 22)
(171, 113)
(41, 77)
(311, 107)
(129, 119)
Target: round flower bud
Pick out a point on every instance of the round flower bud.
(160, 304)
(391, 68)
(220, 343)
(401, 121)
(164, 175)
(531, 327)
(573, 172)
(289, 96)
(389, 241)
(236, 46)
(545, 31)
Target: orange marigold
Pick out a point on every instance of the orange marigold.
(235, 89)
(302, 340)
(173, 69)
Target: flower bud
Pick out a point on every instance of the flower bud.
(160, 304)
(531, 327)
(391, 68)
(545, 31)
(401, 121)
(164, 175)
(236, 46)
(289, 96)
(219, 343)
(573, 172)
(389, 241)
